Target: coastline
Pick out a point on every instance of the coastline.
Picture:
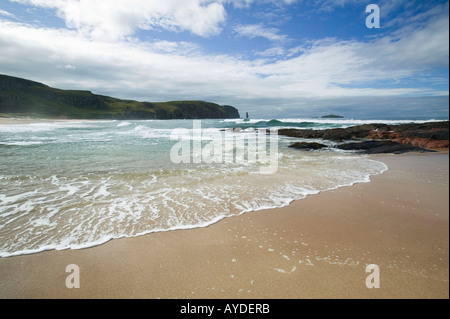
(317, 247)
(27, 120)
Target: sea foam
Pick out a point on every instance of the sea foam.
(99, 181)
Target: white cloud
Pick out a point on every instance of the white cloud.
(416, 46)
(330, 5)
(252, 31)
(247, 3)
(168, 70)
(106, 19)
(241, 3)
(324, 69)
(6, 14)
(173, 47)
(67, 67)
(272, 52)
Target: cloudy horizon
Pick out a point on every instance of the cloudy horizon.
(288, 58)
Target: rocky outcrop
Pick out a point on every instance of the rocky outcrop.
(308, 146)
(424, 136)
(337, 134)
(415, 137)
(379, 147)
(332, 116)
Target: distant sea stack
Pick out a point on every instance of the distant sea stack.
(20, 97)
(332, 116)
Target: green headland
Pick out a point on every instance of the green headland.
(21, 97)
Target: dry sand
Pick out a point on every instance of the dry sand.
(317, 247)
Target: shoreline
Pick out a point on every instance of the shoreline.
(217, 220)
(27, 120)
(316, 247)
(31, 120)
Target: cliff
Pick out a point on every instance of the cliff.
(20, 97)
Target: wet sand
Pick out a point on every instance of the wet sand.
(317, 247)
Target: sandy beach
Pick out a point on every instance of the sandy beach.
(224, 152)
(317, 247)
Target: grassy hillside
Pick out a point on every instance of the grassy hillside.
(20, 97)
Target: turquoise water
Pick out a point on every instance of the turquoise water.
(79, 184)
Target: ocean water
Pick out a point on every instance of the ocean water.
(80, 184)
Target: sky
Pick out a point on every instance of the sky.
(271, 58)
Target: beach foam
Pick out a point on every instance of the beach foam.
(88, 183)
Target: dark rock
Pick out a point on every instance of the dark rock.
(308, 146)
(332, 116)
(432, 135)
(444, 125)
(379, 147)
